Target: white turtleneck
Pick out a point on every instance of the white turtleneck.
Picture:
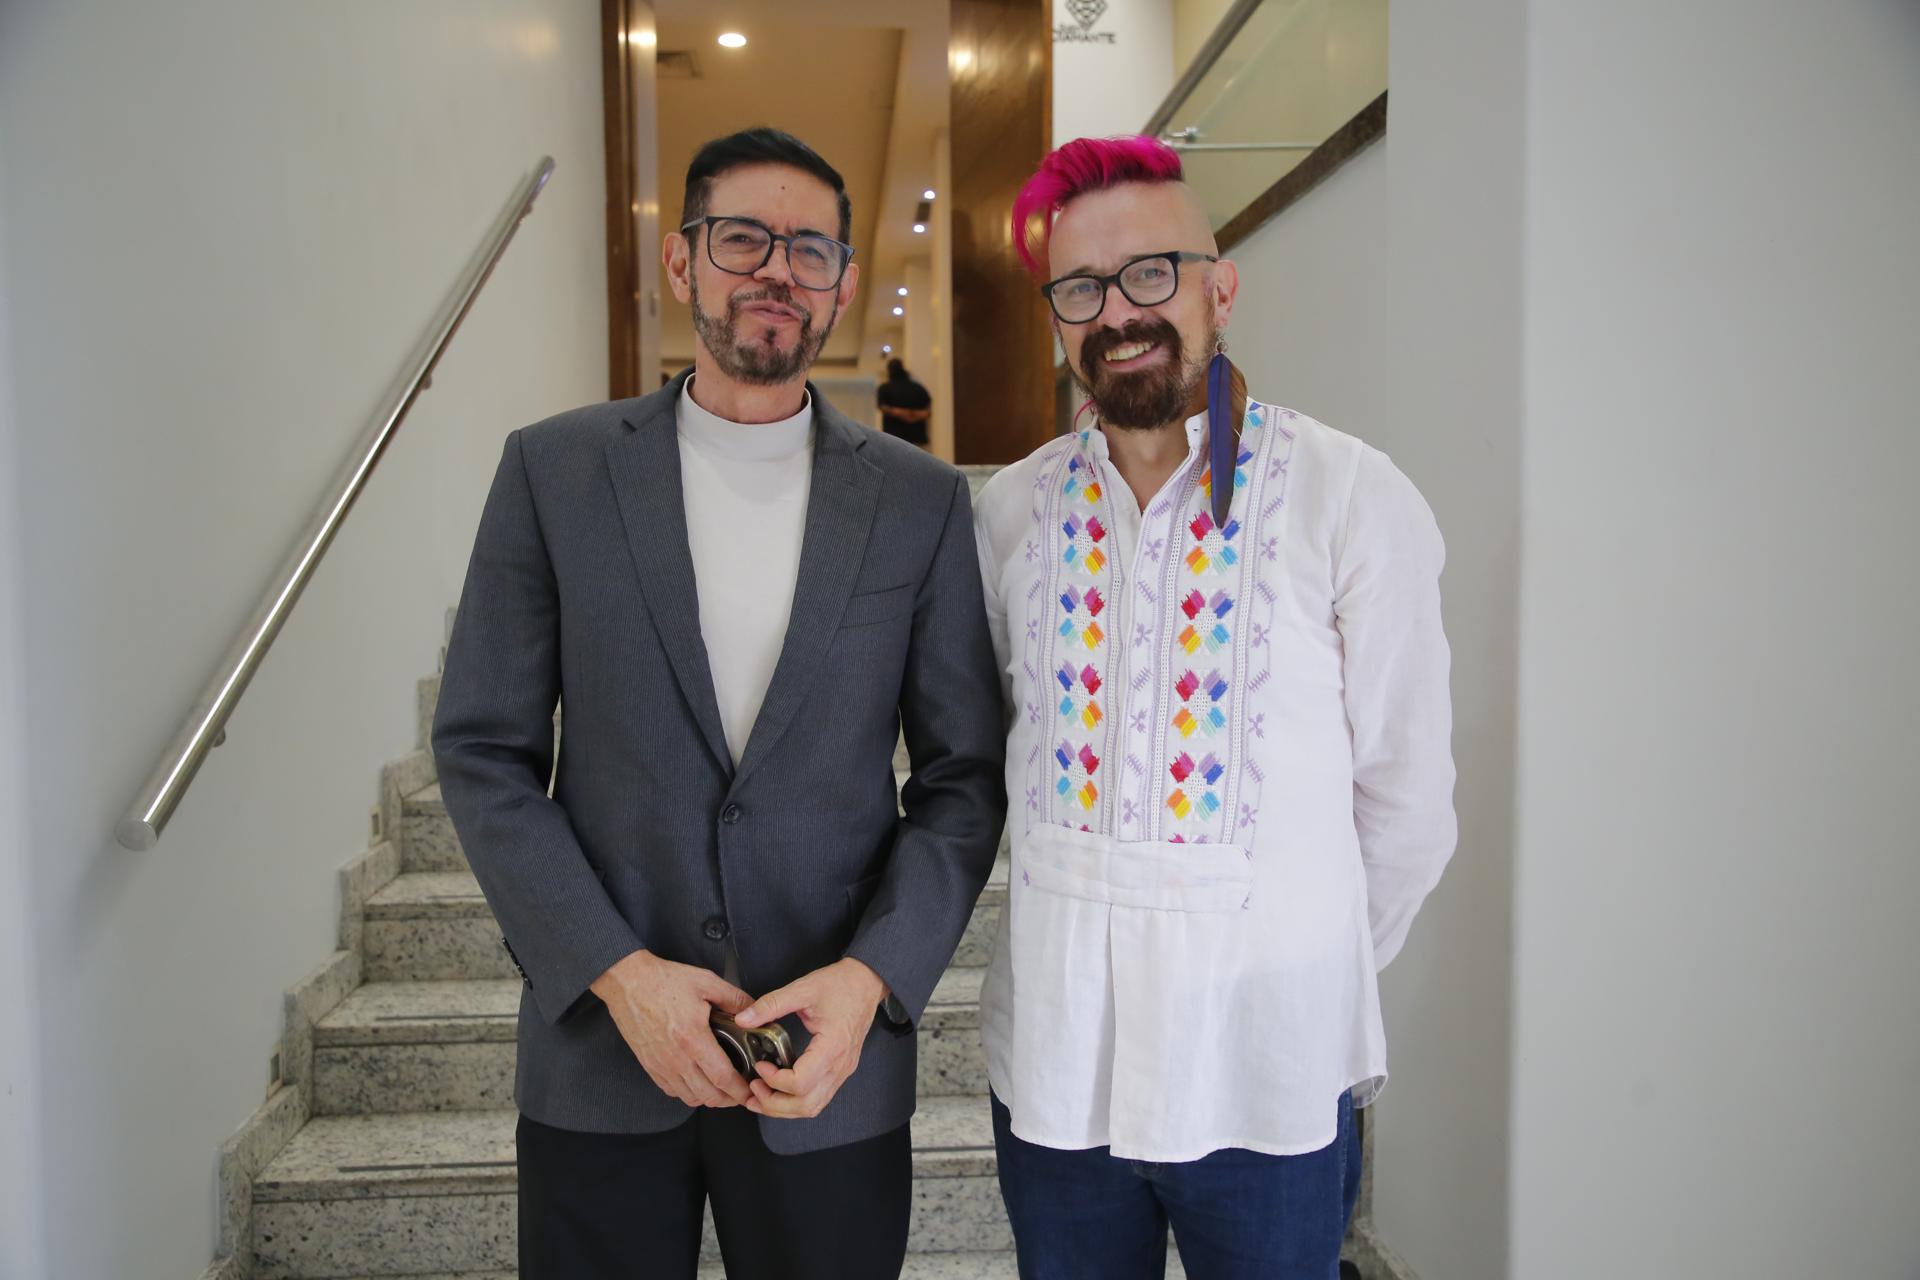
(746, 487)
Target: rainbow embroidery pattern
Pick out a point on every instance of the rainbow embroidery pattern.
(1079, 623)
(1080, 639)
(1077, 702)
(1201, 710)
(1213, 550)
(1076, 785)
(1084, 539)
(1193, 794)
(1206, 622)
(1148, 736)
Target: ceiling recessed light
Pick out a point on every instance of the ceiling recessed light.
(899, 311)
(903, 291)
(927, 194)
(919, 228)
(733, 40)
(887, 349)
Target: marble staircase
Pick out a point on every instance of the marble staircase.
(405, 1165)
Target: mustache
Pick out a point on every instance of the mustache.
(776, 294)
(1156, 331)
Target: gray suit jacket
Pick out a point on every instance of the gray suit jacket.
(581, 589)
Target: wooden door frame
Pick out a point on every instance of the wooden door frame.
(625, 378)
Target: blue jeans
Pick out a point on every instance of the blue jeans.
(1236, 1215)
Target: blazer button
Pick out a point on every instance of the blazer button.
(716, 930)
(730, 815)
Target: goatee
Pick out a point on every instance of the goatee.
(747, 348)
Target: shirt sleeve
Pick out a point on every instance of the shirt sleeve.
(1387, 608)
(989, 520)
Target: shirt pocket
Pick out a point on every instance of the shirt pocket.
(884, 605)
(1156, 875)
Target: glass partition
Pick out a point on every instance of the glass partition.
(1253, 107)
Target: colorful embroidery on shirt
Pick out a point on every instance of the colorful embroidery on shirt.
(1186, 670)
(1081, 579)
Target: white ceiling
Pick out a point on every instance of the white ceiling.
(863, 82)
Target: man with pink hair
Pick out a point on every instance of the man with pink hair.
(1229, 764)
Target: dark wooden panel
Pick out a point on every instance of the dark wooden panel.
(1001, 101)
(623, 247)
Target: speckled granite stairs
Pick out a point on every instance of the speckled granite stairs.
(405, 1167)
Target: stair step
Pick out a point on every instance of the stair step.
(422, 1193)
(428, 842)
(430, 926)
(449, 1046)
(920, 1266)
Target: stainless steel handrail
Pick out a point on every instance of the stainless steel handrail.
(205, 726)
(1203, 61)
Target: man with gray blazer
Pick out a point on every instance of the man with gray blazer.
(739, 598)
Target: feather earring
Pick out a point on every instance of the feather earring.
(1223, 438)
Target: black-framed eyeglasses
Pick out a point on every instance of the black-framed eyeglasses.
(741, 246)
(1146, 281)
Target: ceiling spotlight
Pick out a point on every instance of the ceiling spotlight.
(903, 291)
(919, 228)
(927, 194)
(886, 348)
(899, 311)
(733, 40)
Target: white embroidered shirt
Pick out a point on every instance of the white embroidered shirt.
(1230, 783)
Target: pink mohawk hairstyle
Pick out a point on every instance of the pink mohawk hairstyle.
(1080, 166)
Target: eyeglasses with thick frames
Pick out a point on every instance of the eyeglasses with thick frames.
(1146, 281)
(741, 246)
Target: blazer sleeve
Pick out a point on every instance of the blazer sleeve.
(955, 799)
(494, 746)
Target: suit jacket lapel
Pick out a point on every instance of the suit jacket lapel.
(840, 508)
(646, 479)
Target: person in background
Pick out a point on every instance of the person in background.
(905, 405)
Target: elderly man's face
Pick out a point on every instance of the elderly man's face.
(1143, 366)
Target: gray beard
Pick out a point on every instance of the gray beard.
(755, 363)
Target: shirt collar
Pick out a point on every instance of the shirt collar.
(1094, 438)
(744, 441)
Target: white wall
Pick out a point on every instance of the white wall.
(1108, 78)
(226, 224)
(1455, 141)
(1386, 303)
(20, 1200)
(1716, 1037)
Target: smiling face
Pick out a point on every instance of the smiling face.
(1143, 367)
(761, 329)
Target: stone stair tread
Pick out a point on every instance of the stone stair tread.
(460, 1011)
(455, 1011)
(958, 988)
(419, 1153)
(427, 799)
(413, 894)
(920, 1266)
(472, 1153)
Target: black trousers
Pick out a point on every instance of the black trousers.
(614, 1206)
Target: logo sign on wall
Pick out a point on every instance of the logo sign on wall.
(1086, 13)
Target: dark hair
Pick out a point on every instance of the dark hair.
(896, 370)
(758, 146)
